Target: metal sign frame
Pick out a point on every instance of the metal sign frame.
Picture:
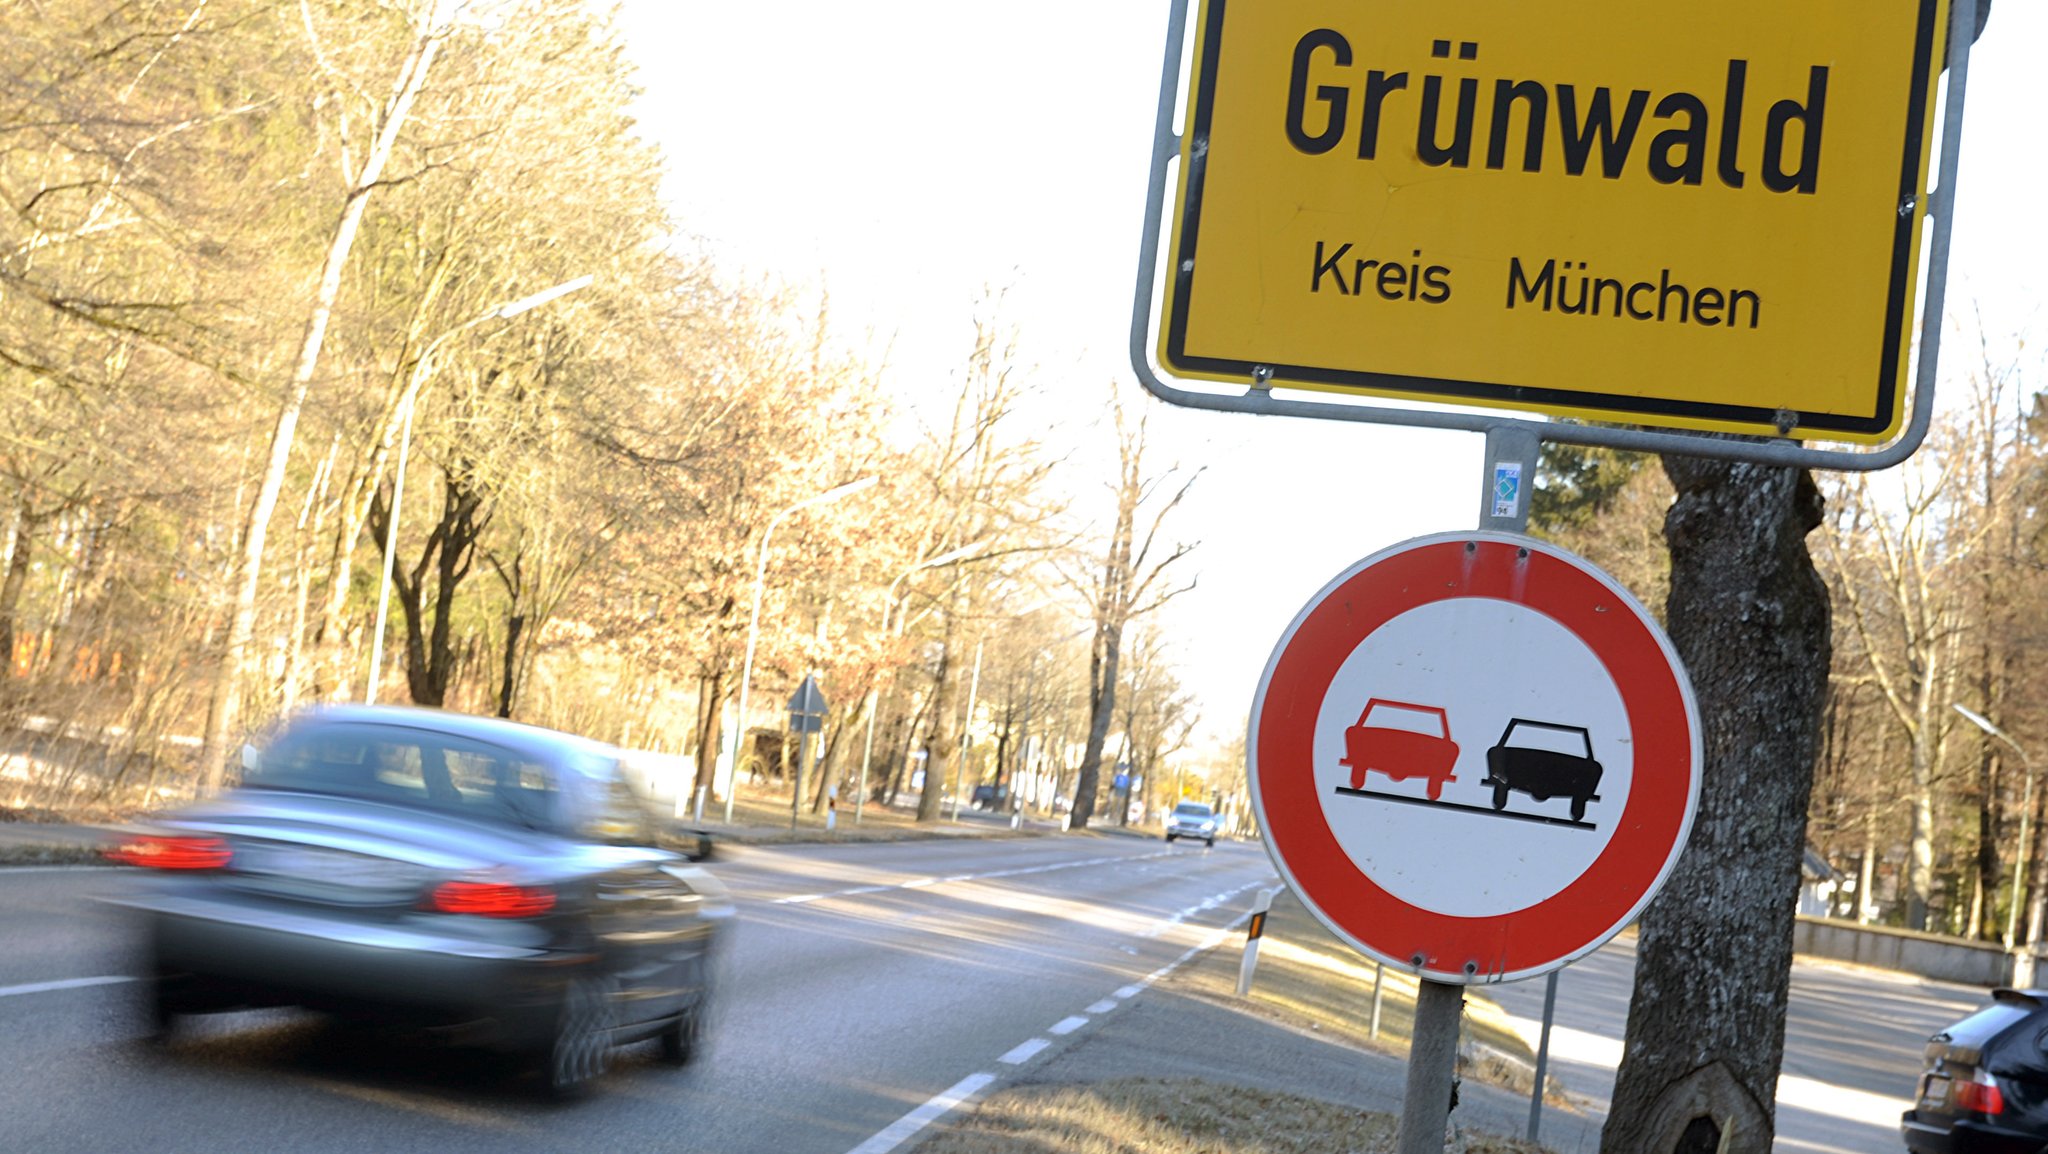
(1264, 398)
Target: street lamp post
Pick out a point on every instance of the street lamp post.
(867, 752)
(421, 369)
(2026, 817)
(754, 623)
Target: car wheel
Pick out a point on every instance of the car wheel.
(168, 1001)
(1169, 839)
(684, 1037)
(1436, 788)
(1500, 795)
(581, 1049)
(1578, 809)
(1211, 843)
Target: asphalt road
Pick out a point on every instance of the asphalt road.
(864, 982)
(867, 983)
(1853, 1038)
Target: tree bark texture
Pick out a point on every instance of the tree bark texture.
(711, 697)
(1102, 667)
(943, 743)
(1749, 617)
(10, 589)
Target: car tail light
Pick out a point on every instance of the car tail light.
(171, 853)
(1980, 1093)
(491, 899)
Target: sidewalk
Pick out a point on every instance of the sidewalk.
(53, 843)
(49, 843)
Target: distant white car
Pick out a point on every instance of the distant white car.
(1192, 819)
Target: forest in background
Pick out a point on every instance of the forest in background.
(296, 292)
(1938, 574)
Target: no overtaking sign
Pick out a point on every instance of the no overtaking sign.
(1474, 756)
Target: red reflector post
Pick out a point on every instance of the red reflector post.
(492, 899)
(171, 853)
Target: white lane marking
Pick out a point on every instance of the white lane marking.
(62, 984)
(905, 1128)
(920, 883)
(1023, 1053)
(908, 1126)
(58, 869)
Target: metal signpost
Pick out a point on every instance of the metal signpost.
(1438, 213)
(806, 716)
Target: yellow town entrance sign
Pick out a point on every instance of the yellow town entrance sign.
(1659, 214)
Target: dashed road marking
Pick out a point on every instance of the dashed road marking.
(1024, 1052)
(62, 984)
(907, 1127)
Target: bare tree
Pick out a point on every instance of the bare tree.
(430, 24)
(1133, 576)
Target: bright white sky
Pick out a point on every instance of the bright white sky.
(908, 153)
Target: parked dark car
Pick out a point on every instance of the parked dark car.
(495, 882)
(1985, 1088)
(1544, 760)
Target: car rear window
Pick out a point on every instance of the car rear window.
(412, 767)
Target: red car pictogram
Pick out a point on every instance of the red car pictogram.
(1399, 752)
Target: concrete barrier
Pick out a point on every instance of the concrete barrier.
(1935, 956)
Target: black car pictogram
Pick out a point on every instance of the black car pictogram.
(1544, 760)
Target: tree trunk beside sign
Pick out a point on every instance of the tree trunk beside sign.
(943, 742)
(1749, 616)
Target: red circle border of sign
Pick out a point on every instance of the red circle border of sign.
(1663, 726)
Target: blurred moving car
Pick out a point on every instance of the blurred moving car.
(496, 882)
(1985, 1088)
(1192, 819)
